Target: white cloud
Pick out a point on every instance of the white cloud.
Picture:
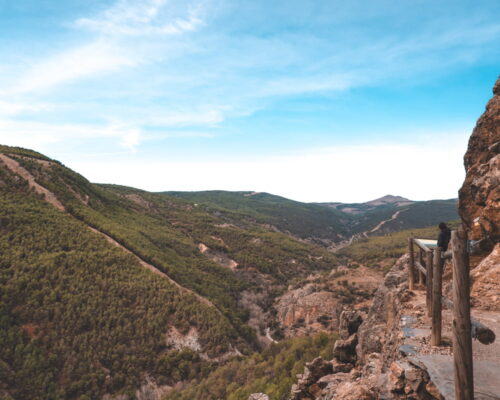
(140, 18)
(124, 133)
(111, 50)
(40, 136)
(343, 173)
(94, 58)
(12, 108)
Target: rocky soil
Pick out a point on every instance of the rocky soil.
(315, 304)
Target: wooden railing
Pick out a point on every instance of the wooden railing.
(428, 265)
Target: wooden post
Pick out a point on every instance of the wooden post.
(462, 341)
(422, 262)
(437, 289)
(428, 282)
(411, 265)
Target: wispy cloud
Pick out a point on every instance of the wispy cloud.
(136, 72)
(40, 135)
(94, 58)
(12, 108)
(111, 50)
(144, 18)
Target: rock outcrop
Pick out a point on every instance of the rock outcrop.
(479, 204)
(369, 362)
(316, 303)
(308, 385)
(485, 278)
(258, 396)
(479, 197)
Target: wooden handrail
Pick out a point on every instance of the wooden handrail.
(420, 244)
(420, 267)
(479, 331)
(411, 265)
(447, 255)
(430, 269)
(437, 288)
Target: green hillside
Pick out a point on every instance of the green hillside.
(300, 219)
(81, 317)
(320, 221)
(419, 214)
(272, 372)
(374, 249)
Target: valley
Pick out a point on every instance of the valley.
(199, 278)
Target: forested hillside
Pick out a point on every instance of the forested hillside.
(324, 223)
(82, 317)
(77, 315)
(301, 219)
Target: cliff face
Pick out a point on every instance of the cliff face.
(479, 197)
(389, 356)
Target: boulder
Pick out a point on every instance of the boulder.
(396, 377)
(338, 366)
(258, 396)
(354, 391)
(485, 290)
(307, 386)
(345, 350)
(378, 332)
(349, 323)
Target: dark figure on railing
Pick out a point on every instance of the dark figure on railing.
(444, 236)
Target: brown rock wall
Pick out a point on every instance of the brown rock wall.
(479, 197)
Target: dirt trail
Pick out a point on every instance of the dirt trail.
(393, 217)
(269, 337)
(15, 167)
(51, 198)
(336, 247)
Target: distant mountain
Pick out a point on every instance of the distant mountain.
(359, 208)
(394, 217)
(325, 223)
(303, 220)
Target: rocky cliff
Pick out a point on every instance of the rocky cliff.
(479, 204)
(479, 197)
(384, 357)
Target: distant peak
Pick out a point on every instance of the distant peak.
(389, 199)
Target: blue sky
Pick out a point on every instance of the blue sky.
(312, 100)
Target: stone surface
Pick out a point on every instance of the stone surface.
(338, 366)
(479, 197)
(485, 278)
(396, 377)
(345, 350)
(354, 391)
(378, 332)
(307, 386)
(300, 308)
(349, 323)
(433, 391)
(258, 396)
